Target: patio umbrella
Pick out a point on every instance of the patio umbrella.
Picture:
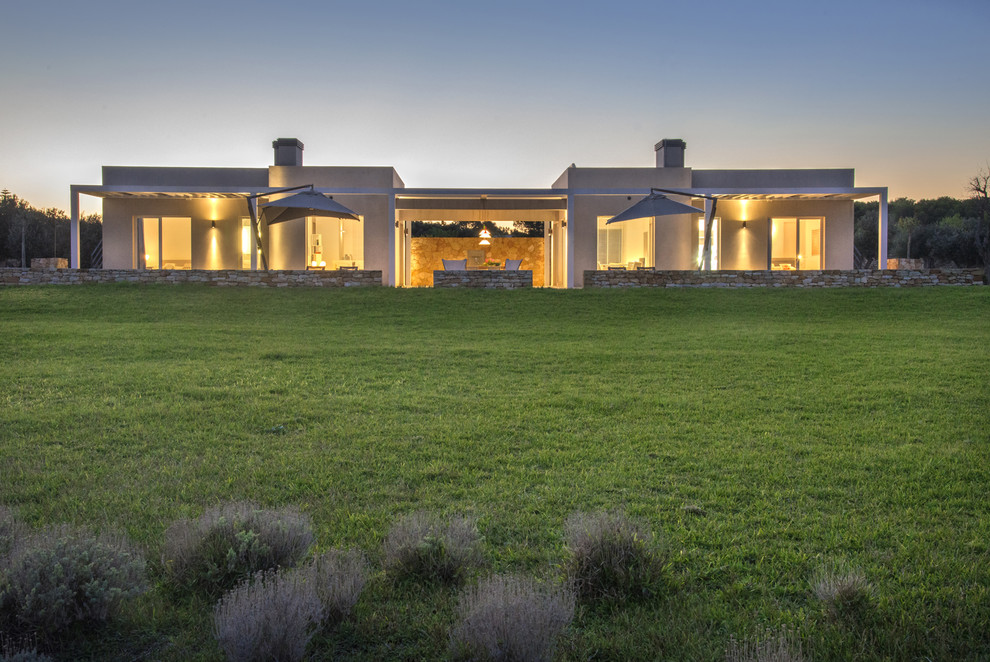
(655, 204)
(307, 203)
(658, 204)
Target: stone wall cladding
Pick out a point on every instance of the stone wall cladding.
(428, 253)
(221, 278)
(49, 263)
(851, 278)
(490, 280)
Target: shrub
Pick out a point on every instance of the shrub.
(612, 557)
(511, 618)
(269, 617)
(20, 650)
(61, 575)
(25, 656)
(773, 646)
(10, 530)
(339, 577)
(422, 545)
(232, 542)
(843, 591)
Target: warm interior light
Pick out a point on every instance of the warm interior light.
(245, 240)
(313, 263)
(485, 234)
(323, 263)
(484, 242)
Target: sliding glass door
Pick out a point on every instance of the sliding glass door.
(165, 243)
(796, 243)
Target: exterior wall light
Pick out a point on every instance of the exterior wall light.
(213, 225)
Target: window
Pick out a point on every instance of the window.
(701, 241)
(245, 243)
(332, 243)
(628, 244)
(165, 243)
(796, 243)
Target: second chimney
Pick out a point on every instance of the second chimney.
(288, 152)
(670, 153)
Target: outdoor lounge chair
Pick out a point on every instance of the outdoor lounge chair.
(512, 265)
(455, 265)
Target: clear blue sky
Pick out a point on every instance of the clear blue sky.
(498, 94)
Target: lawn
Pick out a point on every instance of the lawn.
(762, 434)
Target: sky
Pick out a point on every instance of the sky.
(497, 94)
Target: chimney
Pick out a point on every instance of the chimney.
(670, 153)
(288, 152)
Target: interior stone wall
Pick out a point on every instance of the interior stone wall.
(428, 254)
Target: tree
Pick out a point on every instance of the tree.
(979, 190)
(908, 224)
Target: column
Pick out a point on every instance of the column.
(74, 228)
(882, 231)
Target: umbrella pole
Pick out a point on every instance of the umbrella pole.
(252, 201)
(706, 258)
(256, 231)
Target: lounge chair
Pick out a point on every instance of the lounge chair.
(454, 265)
(512, 265)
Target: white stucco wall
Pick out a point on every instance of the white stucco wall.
(119, 228)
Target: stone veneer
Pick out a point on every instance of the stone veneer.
(221, 278)
(913, 264)
(850, 278)
(428, 253)
(492, 280)
(49, 263)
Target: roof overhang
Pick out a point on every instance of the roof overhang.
(511, 198)
(802, 193)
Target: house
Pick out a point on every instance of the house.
(202, 218)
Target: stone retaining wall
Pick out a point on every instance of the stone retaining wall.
(851, 278)
(222, 278)
(492, 280)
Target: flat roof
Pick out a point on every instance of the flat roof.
(416, 197)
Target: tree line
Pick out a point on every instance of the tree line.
(27, 233)
(943, 232)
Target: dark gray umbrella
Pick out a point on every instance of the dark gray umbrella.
(655, 204)
(658, 204)
(307, 203)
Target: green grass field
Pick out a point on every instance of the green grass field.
(809, 428)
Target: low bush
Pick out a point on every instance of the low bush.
(10, 530)
(269, 617)
(232, 542)
(424, 546)
(25, 656)
(844, 592)
(772, 646)
(339, 577)
(511, 618)
(612, 556)
(62, 575)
